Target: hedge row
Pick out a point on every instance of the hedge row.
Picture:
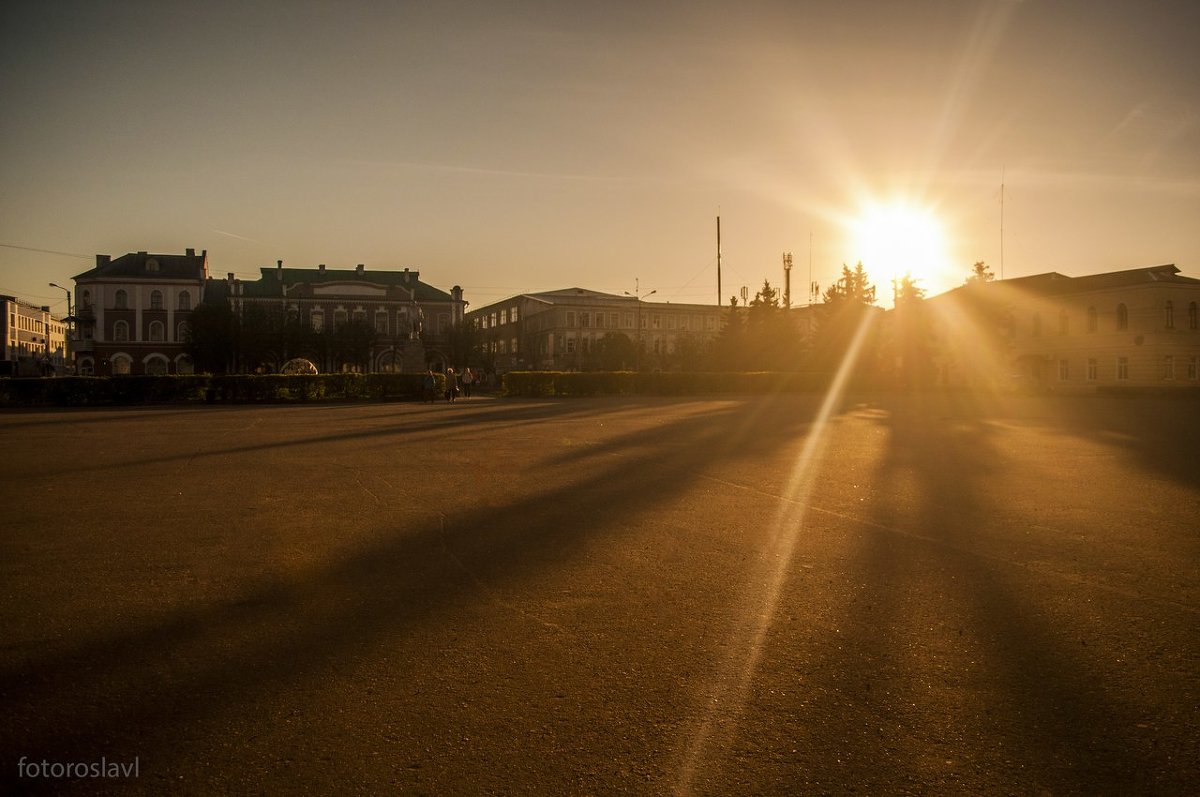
(563, 383)
(82, 391)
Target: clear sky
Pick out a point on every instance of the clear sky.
(510, 147)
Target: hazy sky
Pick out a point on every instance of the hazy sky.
(509, 147)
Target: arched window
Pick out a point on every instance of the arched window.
(156, 300)
(121, 331)
(1122, 317)
(156, 365)
(181, 332)
(1170, 315)
(121, 365)
(87, 366)
(184, 365)
(121, 300)
(87, 301)
(1091, 319)
(185, 300)
(1192, 319)
(156, 331)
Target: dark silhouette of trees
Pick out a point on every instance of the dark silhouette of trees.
(212, 338)
(848, 303)
(980, 274)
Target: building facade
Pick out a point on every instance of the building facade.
(132, 313)
(35, 342)
(407, 325)
(1138, 327)
(579, 329)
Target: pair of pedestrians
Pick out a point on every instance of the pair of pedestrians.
(456, 383)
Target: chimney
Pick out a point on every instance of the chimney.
(358, 269)
(191, 252)
(102, 260)
(279, 269)
(203, 253)
(229, 277)
(321, 268)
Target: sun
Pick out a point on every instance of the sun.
(899, 238)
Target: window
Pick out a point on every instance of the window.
(1168, 367)
(585, 319)
(493, 321)
(156, 300)
(1091, 319)
(339, 318)
(503, 316)
(184, 365)
(317, 320)
(152, 265)
(156, 331)
(181, 332)
(360, 315)
(657, 321)
(157, 366)
(570, 345)
(1170, 315)
(381, 322)
(710, 323)
(1122, 317)
(614, 320)
(121, 365)
(1122, 367)
(570, 318)
(670, 322)
(627, 321)
(501, 347)
(1192, 319)
(599, 320)
(1064, 370)
(1192, 365)
(512, 315)
(185, 300)
(121, 331)
(1064, 323)
(512, 345)
(121, 300)
(1093, 369)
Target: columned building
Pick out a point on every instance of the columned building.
(579, 329)
(355, 319)
(132, 313)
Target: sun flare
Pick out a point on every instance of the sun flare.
(897, 238)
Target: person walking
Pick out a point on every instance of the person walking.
(468, 379)
(428, 386)
(451, 385)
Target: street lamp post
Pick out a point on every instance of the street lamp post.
(637, 296)
(70, 319)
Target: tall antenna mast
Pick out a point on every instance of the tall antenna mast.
(811, 298)
(718, 261)
(1002, 222)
